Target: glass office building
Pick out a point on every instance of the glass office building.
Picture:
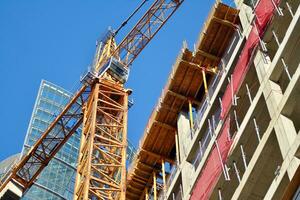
(57, 179)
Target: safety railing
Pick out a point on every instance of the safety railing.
(177, 195)
(172, 175)
(202, 147)
(215, 118)
(212, 87)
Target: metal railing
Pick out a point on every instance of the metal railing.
(212, 87)
(202, 147)
(172, 175)
(203, 143)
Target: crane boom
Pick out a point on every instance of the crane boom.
(101, 107)
(145, 29)
(55, 136)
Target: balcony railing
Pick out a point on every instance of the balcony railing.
(212, 87)
(215, 118)
(172, 175)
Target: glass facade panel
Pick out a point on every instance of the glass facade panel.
(57, 179)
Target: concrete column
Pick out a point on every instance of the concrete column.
(273, 95)
(286, 126)
(184, 134)
(245, 13)
(154, 186)
(11, 191)
(261, 66)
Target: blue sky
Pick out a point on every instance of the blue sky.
(55, 40)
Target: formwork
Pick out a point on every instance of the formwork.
(184, 90)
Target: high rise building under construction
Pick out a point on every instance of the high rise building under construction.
(231, 132)
(226, 125)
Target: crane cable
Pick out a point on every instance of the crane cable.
(126, 21)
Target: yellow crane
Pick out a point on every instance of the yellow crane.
(100, 106)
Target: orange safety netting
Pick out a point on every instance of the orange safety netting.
(263, 12)
(213, 167)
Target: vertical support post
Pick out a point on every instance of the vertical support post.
(146, 194)
(223, 65)
(154, 186)
(200, 148)
(236, 171)
(164, 175)
(286, 69)
(230, 81)
(256, 129)
(210, 129)
(181, 191)
(290, 9)
(205, 83)
(99, 122)
(124, 149)
(214, 123)
(227, 172)
(221, 160)
(261, 42)
(86, 149)
(228, 135)
(191, 116)
(81, 152)
(221, 105)
(243, 156)
(236, 120)
(248, 93)
(277, 8)
(220, 194)
(239, 31)
(177, 148)
(276, 38)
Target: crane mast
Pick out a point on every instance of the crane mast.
(101, 108)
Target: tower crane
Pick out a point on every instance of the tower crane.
(100, 106)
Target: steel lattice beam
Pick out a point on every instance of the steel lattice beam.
(101, 172)
(145, 29)
(59, 131)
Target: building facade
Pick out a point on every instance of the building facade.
(260, 159)
(236, 135)
(57, 179)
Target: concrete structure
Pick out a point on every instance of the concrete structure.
(196, 145)
(267, 142)
(11, 191)
(264, 157)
